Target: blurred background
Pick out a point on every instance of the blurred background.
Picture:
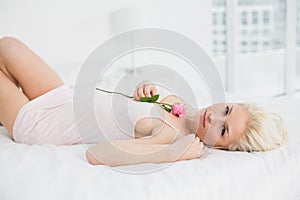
(255, 44)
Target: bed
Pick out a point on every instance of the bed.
(31, 172)
(62, 172)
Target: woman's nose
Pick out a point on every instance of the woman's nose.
(213, 119)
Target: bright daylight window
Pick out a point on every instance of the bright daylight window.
(260, 45)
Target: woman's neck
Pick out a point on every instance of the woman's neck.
(192, 122)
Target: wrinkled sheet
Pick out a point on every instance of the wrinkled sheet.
(62, 172)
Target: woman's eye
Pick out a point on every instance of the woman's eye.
(226, 110)
(223, 130)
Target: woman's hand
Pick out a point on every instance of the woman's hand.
(144, 89)
(195, 150)
(188, 147)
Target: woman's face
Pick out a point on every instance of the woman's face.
(222, 124)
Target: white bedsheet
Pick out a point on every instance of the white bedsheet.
(62, 172)
(53, 172)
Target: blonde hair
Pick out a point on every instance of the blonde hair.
(265, 131)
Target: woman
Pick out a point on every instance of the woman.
(43, 94)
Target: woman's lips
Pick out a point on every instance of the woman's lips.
(204, 118)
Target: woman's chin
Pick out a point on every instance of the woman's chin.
(201, 137)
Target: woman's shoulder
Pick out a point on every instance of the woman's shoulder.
(171, 99)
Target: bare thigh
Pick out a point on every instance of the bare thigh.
(21, 67)
(11, 100)
(25, 69)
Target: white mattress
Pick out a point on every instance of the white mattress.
(53, 172)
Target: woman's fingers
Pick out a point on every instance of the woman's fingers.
(147, 90)
(138, 93)
(136, 96)
(150, 90)
(204, 151)
(195, 150)
(144, 89)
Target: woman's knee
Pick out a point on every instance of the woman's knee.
(7, 40)
(7, 43)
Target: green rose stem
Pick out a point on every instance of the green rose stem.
(162, 103)
(142, 99)
(110, 92)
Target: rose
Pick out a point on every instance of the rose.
(176, 108)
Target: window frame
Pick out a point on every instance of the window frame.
(231, 71)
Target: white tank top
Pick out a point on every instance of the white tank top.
(49, 119)
(117, 115)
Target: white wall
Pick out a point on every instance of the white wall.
(66, 31)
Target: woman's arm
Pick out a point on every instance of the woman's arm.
(127, 152)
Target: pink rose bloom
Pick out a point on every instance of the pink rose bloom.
(178, 110)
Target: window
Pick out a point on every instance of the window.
(254, 32)
(215, 19)
(219, 40)
(260, 27)
(244, 32)
(223, 18)
(244, 44)
(254, 46)
(243, 47)
(244, 18)
(254, 17)
(265, 45)
(277, 44)
(266, 17)
(257, 58)
(266, 32)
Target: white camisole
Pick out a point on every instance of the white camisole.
(49, 119)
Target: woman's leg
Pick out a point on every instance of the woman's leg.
(20, 67)
(11, 100)
(25, 69)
